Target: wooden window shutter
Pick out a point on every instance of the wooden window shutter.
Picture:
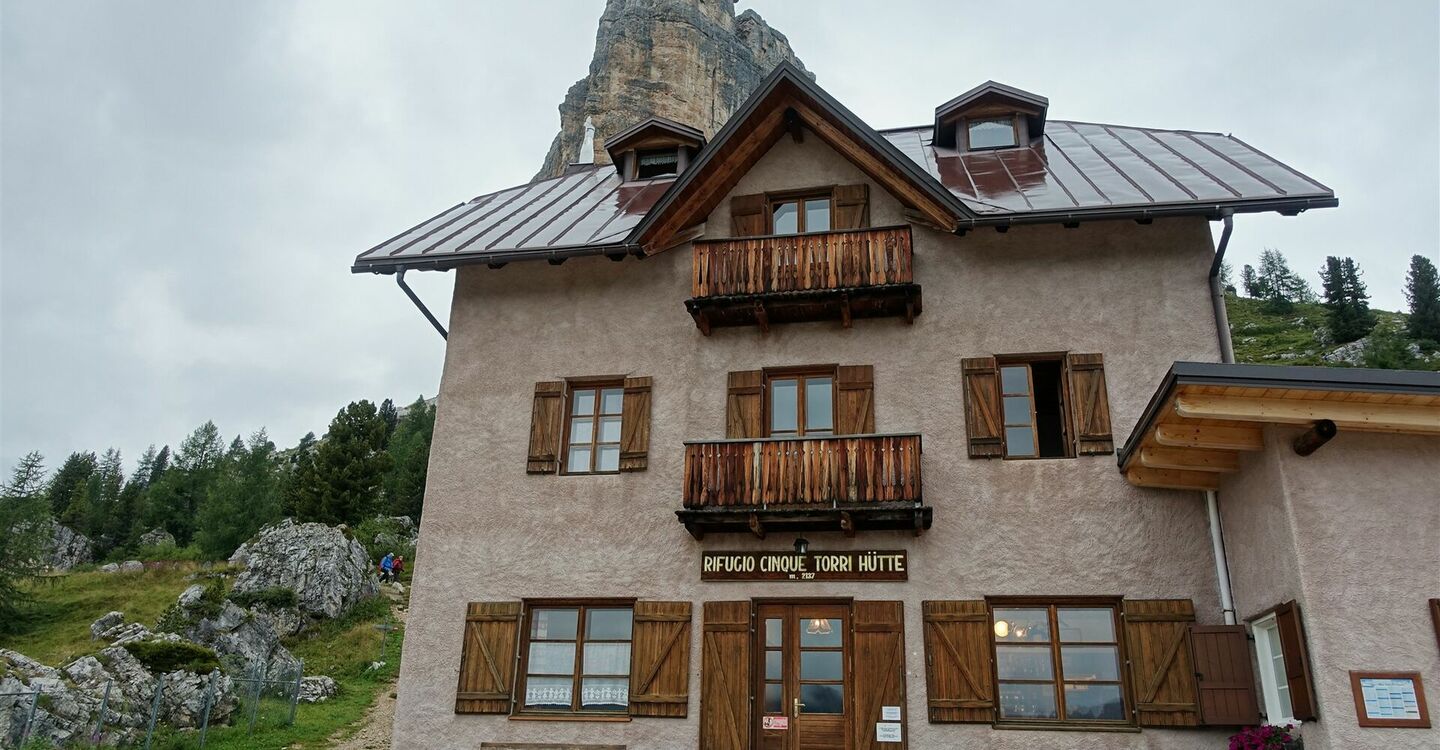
(1297, 661)
(957, 662)
(546, 421)
(982, 407)
(725, 676)
(852, 207)
(660, 677)
(1224, 675)
(747, 215)
(1089, 404)
(487, 658)
(635, 425)
(744, 399)
(1162, 671)
(878, 654)
(855, 406)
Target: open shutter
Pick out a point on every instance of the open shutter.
(957, 662)
(879, 660)
(855, 407)
(743, 400)
(1224, 675)
(725, 677)
(982, 407)
(660, 677)
(852, 207)
(487, 659)
(635, 425)
(747, 215)
(1297, 661)
(1157, 647)
(546, 420)
(1089, 404)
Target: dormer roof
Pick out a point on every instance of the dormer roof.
(988, 99)
(653, 129)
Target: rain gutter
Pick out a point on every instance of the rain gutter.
(1227, 356)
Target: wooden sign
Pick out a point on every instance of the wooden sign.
(856, 565)
(1390, 699)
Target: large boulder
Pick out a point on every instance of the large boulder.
(326, 568)
(157, 537)
(68, 548)
(243, 641)
(317, 689)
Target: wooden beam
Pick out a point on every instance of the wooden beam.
(847, 524)
(1207, 437)
(1171, 479)
(845, 310)
(762, 317)
(1189, 459)
(1354, 415)
(757, 528)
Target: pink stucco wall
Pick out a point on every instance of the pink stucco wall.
(1135, 293)
(1352, 533)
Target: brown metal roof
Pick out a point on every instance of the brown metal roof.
(1075, 171)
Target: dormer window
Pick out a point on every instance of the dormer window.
(657, 162)
(990, 132)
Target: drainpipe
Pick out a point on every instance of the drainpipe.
(400, 279)
(1227, 355)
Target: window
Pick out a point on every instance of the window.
(1270, 657)
(800, 215)
(1032, 398)
(592, 442)
(992, 132)
(656, 162)
(577, 659)
(801, 403)
(1057, 663)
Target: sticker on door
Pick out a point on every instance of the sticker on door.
(775, 722)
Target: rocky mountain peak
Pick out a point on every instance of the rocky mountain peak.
(692, 61)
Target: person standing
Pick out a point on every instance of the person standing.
(387, 567)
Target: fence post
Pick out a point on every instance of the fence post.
(255, 697)
(209, 702)
(29, 718)
(100, 719)
(295, 696)
(154, 710)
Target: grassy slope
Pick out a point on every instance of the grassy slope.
(59, 631)
(1288, 339)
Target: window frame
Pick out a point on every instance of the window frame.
(799, 374)
(798, 197)
(640, 153)
(599, 386)
(1053, 605)
(966, 122)
(1067, 429)
(1266, 660)
(522, 664)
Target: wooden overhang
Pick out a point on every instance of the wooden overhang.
(1205, 415)
(789, 104)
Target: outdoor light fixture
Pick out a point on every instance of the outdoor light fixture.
(802, 545)
(1002, 629)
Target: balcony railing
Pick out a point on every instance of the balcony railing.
(787, 278)
(844, 482)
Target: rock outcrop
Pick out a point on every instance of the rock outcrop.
(326, 568)
(692, 61)
(157, 537)
(244, 642)
(68, 548)
(317, 689)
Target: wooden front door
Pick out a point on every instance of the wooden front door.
(802, 674)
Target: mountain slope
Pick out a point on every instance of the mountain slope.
(1299, 337)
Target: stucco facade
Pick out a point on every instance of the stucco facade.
(1351, 533)
(1135, 293)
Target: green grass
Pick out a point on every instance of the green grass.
(56, 629)
(1289, 338)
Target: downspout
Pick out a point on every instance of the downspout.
(400, 279)
(1227, 355)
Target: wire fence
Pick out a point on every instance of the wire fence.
(178, 713)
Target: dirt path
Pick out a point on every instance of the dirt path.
(376, 725)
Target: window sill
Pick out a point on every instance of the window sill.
(1057, 727)
(569, 717)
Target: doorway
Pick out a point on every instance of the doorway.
(803, 684)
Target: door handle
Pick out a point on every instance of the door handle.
(798, 706)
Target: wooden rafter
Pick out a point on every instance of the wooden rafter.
(1210, 437)
(1191, 459)
(1345, 414)
(1172, 479)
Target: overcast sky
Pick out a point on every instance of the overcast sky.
(184, 184)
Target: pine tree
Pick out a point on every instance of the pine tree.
(73, 475)
(390, 417)
(349, 465)
(1251, 282)
(1422, 291)
(1387, 349)
(175, 496)
(24, 536)
(410, 449)
(1279, 286)
(298, 478)
(1348, 313)
(1227, 277)
(244, 497)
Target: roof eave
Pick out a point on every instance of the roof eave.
(447, 262)
(1211, 209)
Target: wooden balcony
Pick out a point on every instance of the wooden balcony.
(846, 483)
(860, 273)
